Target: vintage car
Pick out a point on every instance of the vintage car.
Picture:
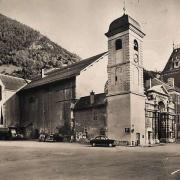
(5, 134)
(10, 134)
(42, 137)
(54, 138)
(102, 141)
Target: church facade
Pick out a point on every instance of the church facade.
(138, 111)
(122, 104)
(171, 74)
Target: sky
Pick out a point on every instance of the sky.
(79, 25)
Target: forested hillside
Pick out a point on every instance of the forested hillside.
(28, 50)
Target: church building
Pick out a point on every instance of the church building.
(106, 94)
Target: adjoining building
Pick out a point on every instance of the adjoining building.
(9, 100)
(171, 75)
(90, 116)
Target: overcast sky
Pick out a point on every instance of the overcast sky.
(79, 25)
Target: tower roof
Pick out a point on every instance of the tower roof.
(122, 24)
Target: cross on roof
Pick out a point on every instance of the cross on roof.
(124, 8)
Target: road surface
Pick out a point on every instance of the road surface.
(28, 160)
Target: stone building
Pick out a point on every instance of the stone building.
(90, 116)
(171, 75)
(160, 112)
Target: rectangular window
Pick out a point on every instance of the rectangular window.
(178, 99)
(1, 117)
(127, 130)
(95, 115)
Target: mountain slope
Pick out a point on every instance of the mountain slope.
(28, 50)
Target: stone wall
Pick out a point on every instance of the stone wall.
(90, 122)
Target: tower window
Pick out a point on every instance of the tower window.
(116, 78)
(118, 44)
(136, 45)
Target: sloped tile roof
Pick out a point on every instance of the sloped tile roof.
(169, 66)
(12, 83)
(84, 102)
(65, 72)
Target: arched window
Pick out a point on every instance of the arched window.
(161, 106)
(136, 45)
(118, 44)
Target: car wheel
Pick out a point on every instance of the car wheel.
(110, 145)
(93, 144)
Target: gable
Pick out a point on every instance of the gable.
(64, 73)
(159, 89)
(173, 63)
(93, 77)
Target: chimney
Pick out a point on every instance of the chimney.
(170, 82)
(150, 83)
(92, 97)
(42, 73)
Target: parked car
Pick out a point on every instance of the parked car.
(102, 141)
(15, 135)
(50, 138)
(42, 137)
(5, 134)
(53, 138)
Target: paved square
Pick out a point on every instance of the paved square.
(28, 160)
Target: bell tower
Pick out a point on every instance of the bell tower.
(126, 100)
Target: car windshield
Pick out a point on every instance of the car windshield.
(103, 138)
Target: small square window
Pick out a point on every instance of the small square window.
(127, 130)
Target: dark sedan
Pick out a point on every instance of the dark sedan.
(102, 141)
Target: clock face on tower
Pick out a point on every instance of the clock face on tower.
(136, 58)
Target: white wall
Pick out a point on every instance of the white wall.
(93, 78)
